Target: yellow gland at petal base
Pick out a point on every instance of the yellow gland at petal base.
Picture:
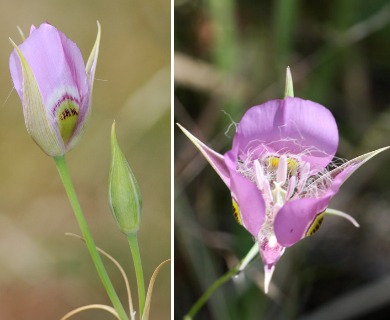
(67, 115)
(236, 211)
(316, 224)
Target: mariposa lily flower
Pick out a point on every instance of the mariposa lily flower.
(55, 87)
(280, 173)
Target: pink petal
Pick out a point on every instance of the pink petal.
(250, 202)
(215, 159)
(57, 65)
(295, 217)
(270, 255)
(32, 28)
(290, 125)
(90, 70)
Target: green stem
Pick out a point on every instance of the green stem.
(220, 281)
(67, 182)
(133, 242)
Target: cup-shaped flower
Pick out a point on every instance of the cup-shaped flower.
(280, 172)
(123, 191)
(55, 87)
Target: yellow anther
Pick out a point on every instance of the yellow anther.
(292, 166)
(273, 162)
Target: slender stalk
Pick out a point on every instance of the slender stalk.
(203, 299)
(67, 182)
(133, 242)
(220, 281)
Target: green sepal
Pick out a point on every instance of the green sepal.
(289, 87)
(36, 119)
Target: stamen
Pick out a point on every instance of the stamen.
(291, 187)
(262, 182)
(259, 176)
(281, 174)
(267, 193)
(304, 175)
(292, 166)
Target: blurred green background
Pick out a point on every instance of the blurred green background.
(43, 273)
(231, 55)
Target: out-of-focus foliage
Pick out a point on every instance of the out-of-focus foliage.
(43, 273)
(231, 55)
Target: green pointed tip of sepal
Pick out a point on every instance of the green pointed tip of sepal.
(289, 88)
(124, 193)
(92, 60)
(22, 36)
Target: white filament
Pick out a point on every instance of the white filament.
(281, 174)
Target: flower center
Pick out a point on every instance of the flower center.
(279, 178)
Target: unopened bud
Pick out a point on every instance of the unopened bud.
(124, 194)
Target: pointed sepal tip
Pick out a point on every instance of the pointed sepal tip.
(268, 272)
(289, 87)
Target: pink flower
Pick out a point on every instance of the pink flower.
(55, 87)
(280, 173)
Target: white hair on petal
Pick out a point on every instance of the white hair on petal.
(295, 125)
(309, 183)
(232, 123)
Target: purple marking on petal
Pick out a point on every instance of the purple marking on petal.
(290, 125)
(61, 100)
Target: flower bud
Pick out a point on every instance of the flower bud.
(55, 87)
(124, 194)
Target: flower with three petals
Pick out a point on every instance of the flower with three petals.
(55, 87)
(280, 173)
